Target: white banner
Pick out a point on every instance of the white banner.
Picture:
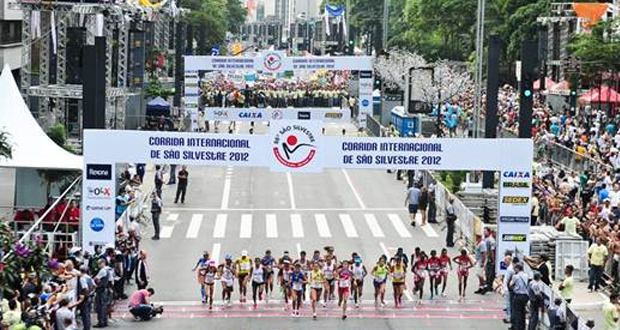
(276, 62)
(329, 115)
(299, 146)
(365, 96)
(514, 211)
(98, 204)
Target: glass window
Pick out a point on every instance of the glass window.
(10, 32)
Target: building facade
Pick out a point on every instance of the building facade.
(10, 37)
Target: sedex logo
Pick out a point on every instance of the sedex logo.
(98, 172)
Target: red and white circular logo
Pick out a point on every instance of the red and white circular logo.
(294, 146)
(272, 61)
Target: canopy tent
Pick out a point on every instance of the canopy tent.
(548, 83)
(604, 94)
(158, 107)
(590, 12)
(561, 88)
(32, 148)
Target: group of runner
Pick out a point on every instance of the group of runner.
(324, 276)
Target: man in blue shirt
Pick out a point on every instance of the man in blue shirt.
(519, 284)
(122, 202)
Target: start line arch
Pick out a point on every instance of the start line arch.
(300, 146)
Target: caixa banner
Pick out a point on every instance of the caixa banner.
(328, 115)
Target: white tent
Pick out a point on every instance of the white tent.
(32, 148)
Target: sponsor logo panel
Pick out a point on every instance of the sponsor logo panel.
(98, 172)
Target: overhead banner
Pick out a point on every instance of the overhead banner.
(328, 115)
(276, 62)
(299, 146)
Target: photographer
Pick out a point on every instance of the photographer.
(140, 305)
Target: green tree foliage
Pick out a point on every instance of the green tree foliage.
(598, 51)
(209, 21)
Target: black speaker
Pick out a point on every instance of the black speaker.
(76, 39)
(490, 125)
(529, 51)
(94, 89)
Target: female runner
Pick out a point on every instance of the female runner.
(359, 272)
(328, 272)
(227, 274)
(445, 262)
(398, 275)
(298, 280)
(464, 263)
(258, 274)
(420, 272)
(380, 273)
(209, 283)
(344, 277)
(434, 276)
(317, 281)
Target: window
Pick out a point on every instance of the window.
(10, 32)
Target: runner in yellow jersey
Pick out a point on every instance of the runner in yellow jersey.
(380, 273)
(317, 281)
(398, 274)
(244, 266)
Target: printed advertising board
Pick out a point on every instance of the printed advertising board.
(326, 115)
(299, 146)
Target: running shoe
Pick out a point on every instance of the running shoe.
(344, 317)
(314, 316)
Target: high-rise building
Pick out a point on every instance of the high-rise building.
(10, 37)
(285, 12)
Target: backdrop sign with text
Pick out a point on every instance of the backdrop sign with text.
(299, 146)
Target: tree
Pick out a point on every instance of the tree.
(6, 150)
(598, 50)
(235, 15)
(210, 20)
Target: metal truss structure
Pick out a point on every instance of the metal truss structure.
(118, 20)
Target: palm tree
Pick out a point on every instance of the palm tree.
(6, 151)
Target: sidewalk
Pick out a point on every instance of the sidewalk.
(584, 300)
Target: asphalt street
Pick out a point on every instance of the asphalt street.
(228, 210)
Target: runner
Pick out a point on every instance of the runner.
(464, 264)
(201, 266)
(227, 274)
(359, 272)
(344, 286)
(284, 275)
(244, 265)
(209, 283)
(434, 276)
(305, 268)
(398, 281)
(328, 272)
(444, 262)
(268, 262)
(298, 280)
(380, 273)
(316, 257)
(317, 281)
(420, 273)
(329, 254)
(258, 275)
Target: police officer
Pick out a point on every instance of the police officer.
(156, 208)
(519, 284)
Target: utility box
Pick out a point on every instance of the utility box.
(406, 124)
(571, 252)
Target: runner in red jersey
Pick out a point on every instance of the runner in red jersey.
(444, 262)
(464, 264)
(420, 273)
(344, 277)
(434, 276)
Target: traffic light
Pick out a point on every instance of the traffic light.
(377, 84)
(351, 47)
(573, 97)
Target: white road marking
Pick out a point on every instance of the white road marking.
(347, 223)
(355, 193)
(271, 224)
(226, 190)
(215, 251)
(275, 302)
(298, 248)
(194, 226)
(399, 225)
(291, 192)
(335, 209)
(166, 231)
(427, 229)
(298, 229)
(246, 226)
(220, 226)
(388, 254)
(372, 223)
(173, 217)
(321, 224)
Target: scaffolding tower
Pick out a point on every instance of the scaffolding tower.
(116, 22)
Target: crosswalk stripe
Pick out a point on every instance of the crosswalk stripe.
(347, 223)
(271, 224)
(321, 224)
(399, 226)
(215, 251)
(246, 226)
(427, 229)
(194, 226)
(220, 226)
(173, 217)
(298, 229)
(372, 223)
(166, 231)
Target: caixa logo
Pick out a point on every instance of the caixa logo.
(250, 115)
(516, 175)
(98, 172)
(99, 192)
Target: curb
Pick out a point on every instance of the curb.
(598, 305)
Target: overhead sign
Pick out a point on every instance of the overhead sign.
(329, 115)
(277, 62)
(300, 146)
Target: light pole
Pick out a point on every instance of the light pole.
(386, 12)
(479, 61)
